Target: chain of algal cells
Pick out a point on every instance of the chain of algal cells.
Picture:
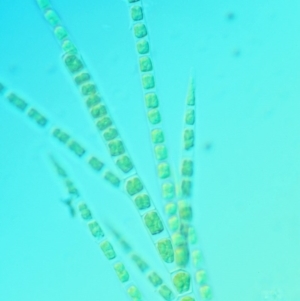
(182, 225)
(96, 229)
(151, 101)
(154, 278)
(188, 230)
(60, 135)
(96, 164)
(133, 183)
(75, 147)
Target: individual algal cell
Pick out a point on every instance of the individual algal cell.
(68, 47)
(187, 168)
(178, 239)
(95, 163)
(93, 100)
(151, 100)
(133, 185)
(107, 249)
(71, 188)
(121, 271)
(200, 276)
(60, 33)
(196, 258)
(88, 89)
(60, 135)
(154, 116)
(157, 136)
(153, 222)
(142, 265)
(184, 229)
(142, 201)
(124, 163)
(103, 123)
(192, 236)
(187, 298)
(43, 4)
(186, 188)
(116, 147)
(98, 110)
(140, 30)
(184, 210)
(166, 293)
(205, 292)
(111, 178)
(181, 281)
(17, 101)
(165, 250)
(37, 117)
(182, 255)
(110, 133)
(161, 152)
(59, 170)
(171, 209)
(52, 17)
(148, 81)
(145, 63)
(190, 117)
(154, 279)
(134, 293)
(190, 98)
(73, 63)
(168, 190)
(76, 148)
(95, 229)
(173, 223)
(142, 47)
(188, 137)
(136, 13)
(84, 211)
(82, 77)
(163, 170)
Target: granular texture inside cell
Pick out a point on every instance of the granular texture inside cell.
(165, 250)
(142, 47)
(111, 178)
(142, 201)
(95, 229)
(140, 30)
(116, 148)
(73, 63)
(157, 136)
(134, 186)
(182, 282)
(153, 222)
(95, 163)
(107, 250)
(154, 279)
(136, 13)
(121, 272)
(124, 163)
(166, 293)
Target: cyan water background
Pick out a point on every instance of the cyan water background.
(246, 196)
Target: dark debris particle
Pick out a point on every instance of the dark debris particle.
(230, 16)
(208, 146)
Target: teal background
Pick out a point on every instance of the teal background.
(246, 62)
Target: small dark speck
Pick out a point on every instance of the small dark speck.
(69, 204)
(236, 52)
(208, 146)
(230, 16)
